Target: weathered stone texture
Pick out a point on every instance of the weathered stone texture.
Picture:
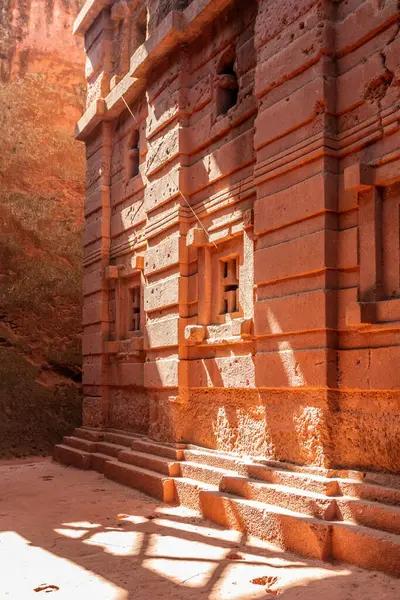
(41, 195)
(159, 9)
(270, 306)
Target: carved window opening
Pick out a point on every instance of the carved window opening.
(133, 155)
(378, 248)
(227, 84)
(390, 241)
(135, 308)
(229, 269)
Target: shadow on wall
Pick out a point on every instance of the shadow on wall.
(290, 423)
(299, 420)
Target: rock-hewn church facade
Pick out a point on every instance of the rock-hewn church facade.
(241, 288)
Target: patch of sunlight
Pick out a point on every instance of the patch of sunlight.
(214, 170)
(222, 428)
(286, 354)
(82, 525)
(170, 546)
(235, 583)
(74, 534)
(30, 566)
(177, 510)
(193, 574)
(118, 543)
(135, 519)
(304, 577)
(315, 581)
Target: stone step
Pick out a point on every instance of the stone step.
(291, 531)
(204, 473)
(109, 448)
(72, 456)
(370, 514)
(88, 434)
(121, 438)
(299, 501)
(384, 479)
(212, 459)
(342, 482)
(369, 491)
(357, 488)
(187, 492)
(151, 483)
(120, 431)
(79, 443)
(150, 462)
(366, 548)
(304, 535)
(290, 478)
(165, 450)
(99, 460)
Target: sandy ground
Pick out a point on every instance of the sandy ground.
(76, 535)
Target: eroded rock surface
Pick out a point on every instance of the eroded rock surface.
(41, 199)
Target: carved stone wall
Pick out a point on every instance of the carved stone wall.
(159, 9)
(260, 222)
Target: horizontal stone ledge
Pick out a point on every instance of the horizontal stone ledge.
(133, 344)
(358, 177)
(177, 28)
(90, 10)
(124, 271)
(366, 313)
(235, 331)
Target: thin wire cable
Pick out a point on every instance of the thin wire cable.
(173, 182)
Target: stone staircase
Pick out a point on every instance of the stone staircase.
(351, 516)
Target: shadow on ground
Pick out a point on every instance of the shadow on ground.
(92, 538)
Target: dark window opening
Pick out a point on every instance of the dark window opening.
(133, 155)
(227, 85)
(230, 286)
(135, 308)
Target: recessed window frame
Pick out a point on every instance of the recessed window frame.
(229, 285)
(226, 83)
(132, 159)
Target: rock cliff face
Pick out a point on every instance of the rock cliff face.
(41, 201)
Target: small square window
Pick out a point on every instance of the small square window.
(230, 286)
(132, 155)
(135, 308)
(226, 82)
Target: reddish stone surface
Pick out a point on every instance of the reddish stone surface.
(116, 543)
(41, 194)
(275, 127)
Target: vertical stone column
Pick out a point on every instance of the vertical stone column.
(98, 48)
(121, 16)
(97, 248)
(296, 224)
(166, 257)
(370, 245)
